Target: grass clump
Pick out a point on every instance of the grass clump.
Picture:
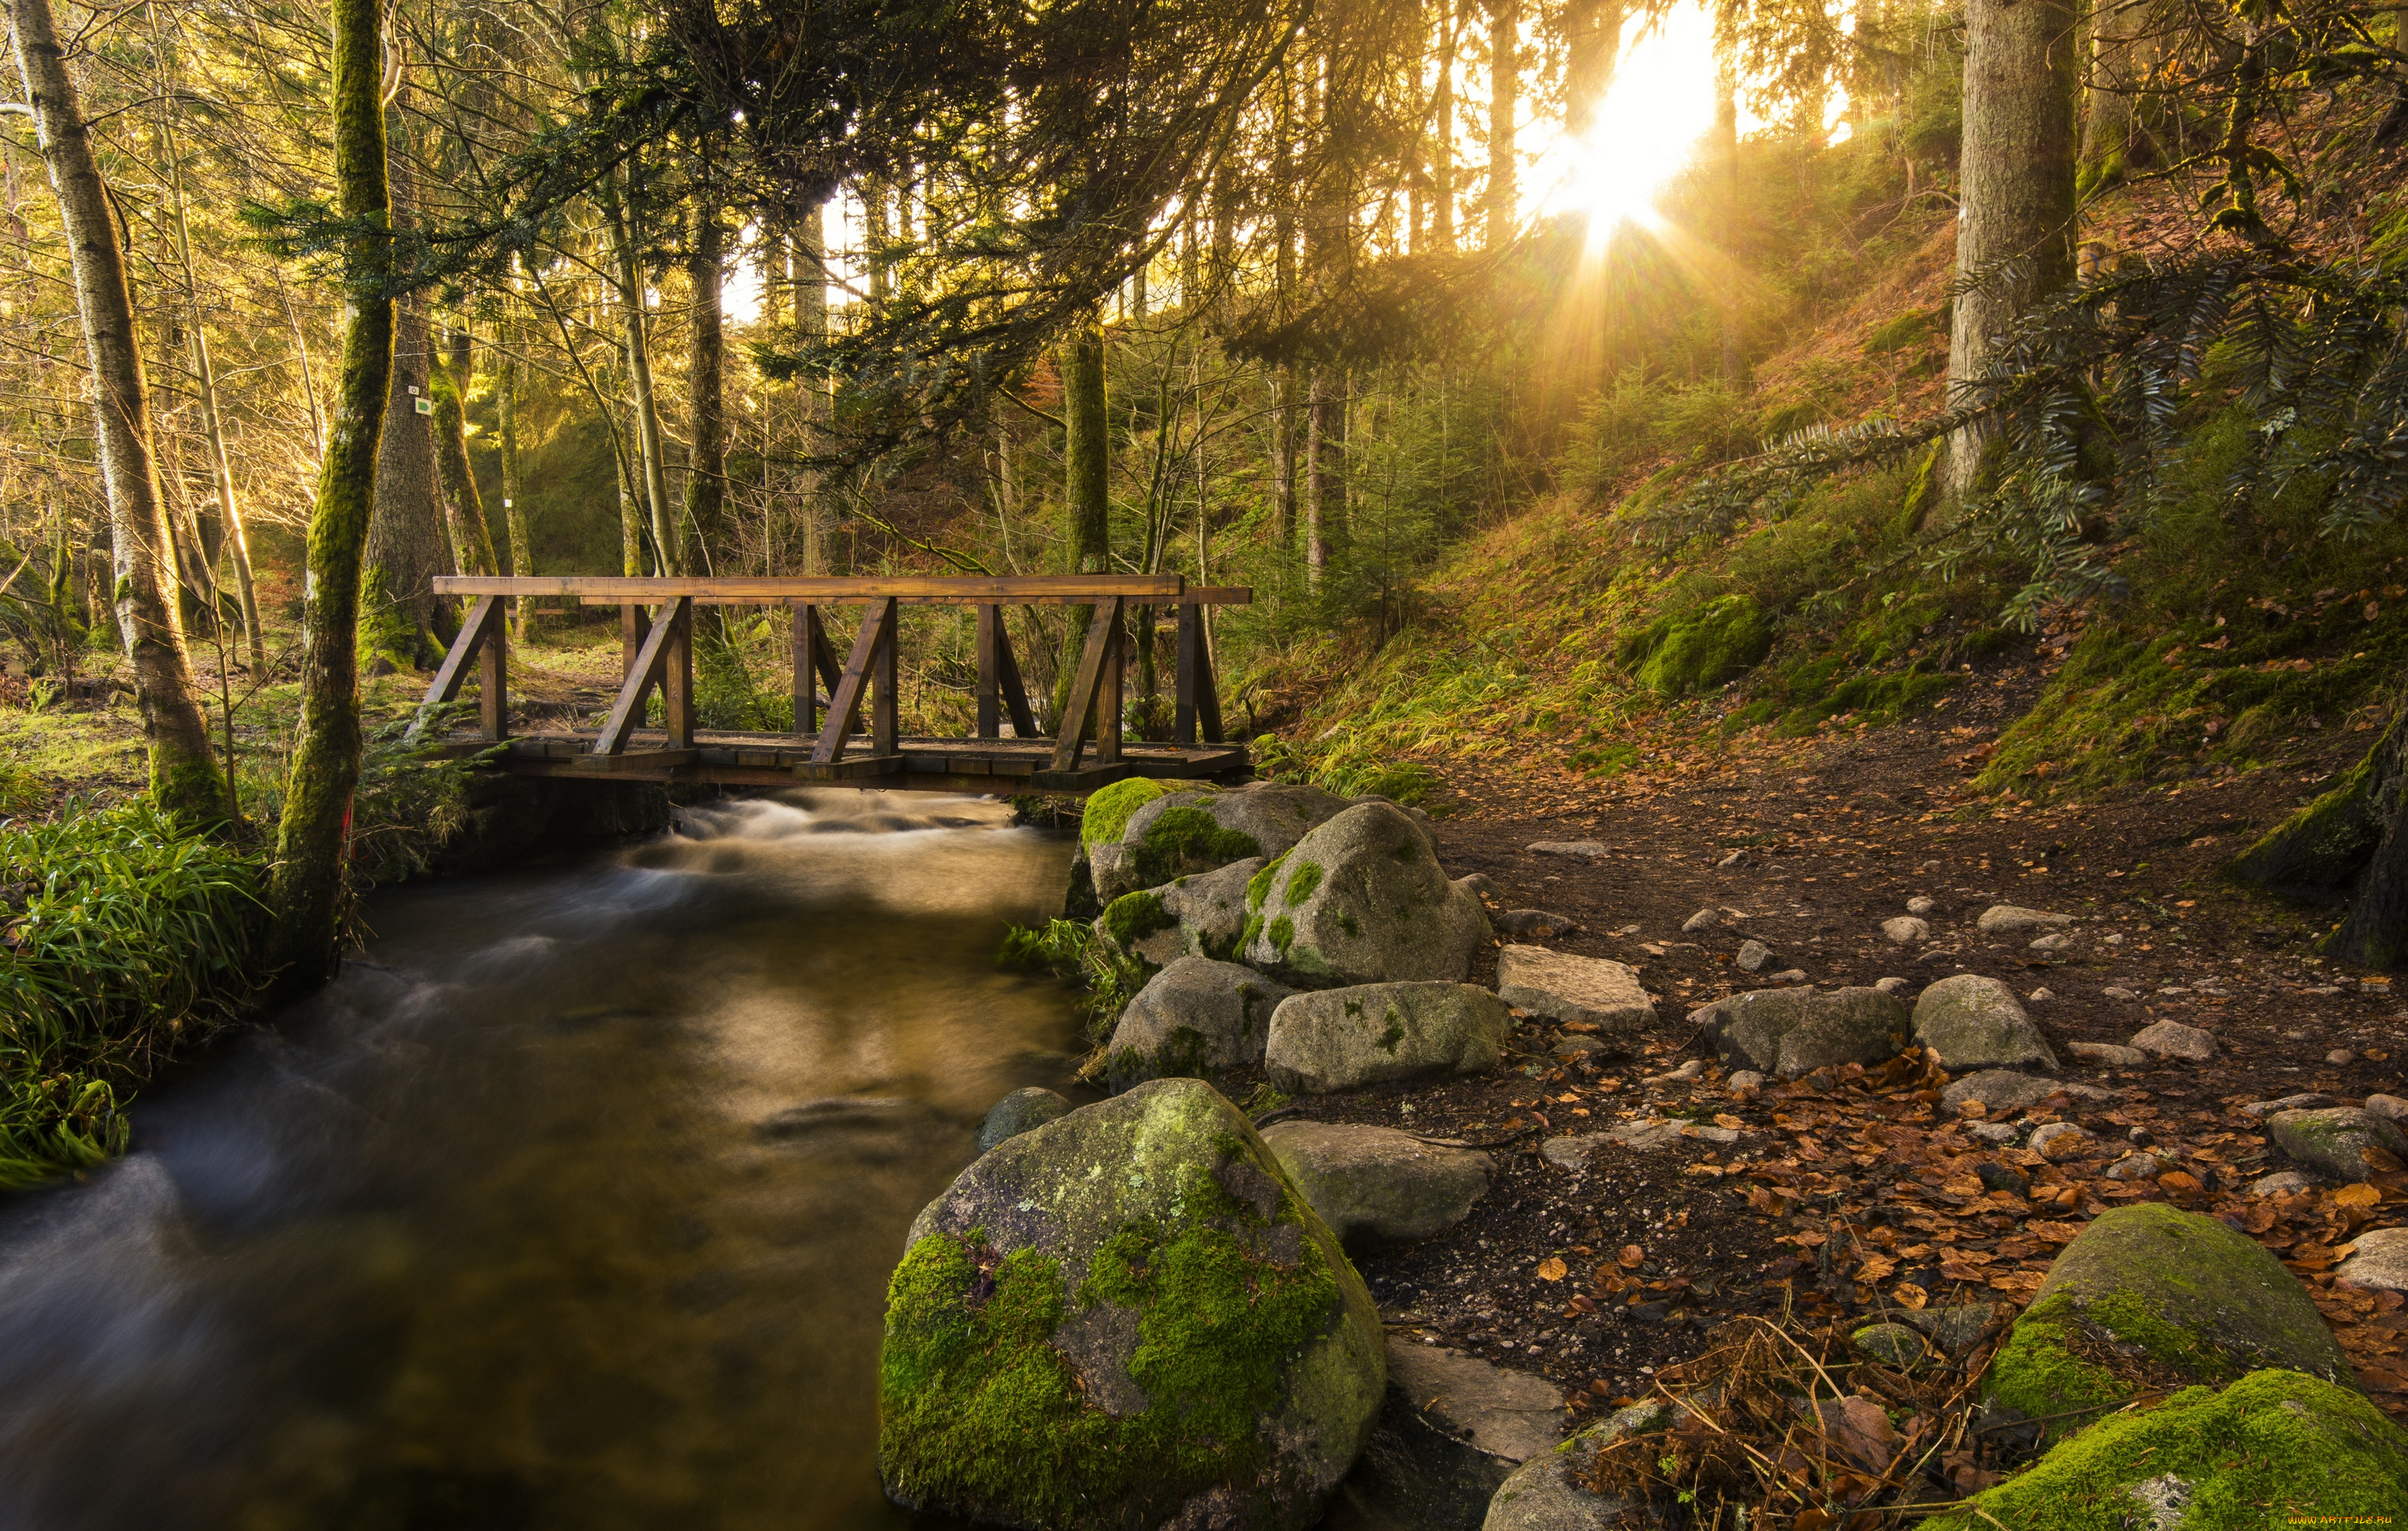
(124, 937)
(1073, 952)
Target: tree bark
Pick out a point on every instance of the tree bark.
(706, 475)
(1442, 136)
(810, 323)
(1324, 455)
(466, 507)
(2112, 138)
(307, 883)
(625, 238)
(2016, 184)
(514, 514)
(183, 774)
(1592, 43)
(1086, 460)
(2375, 933)
(407, 545)
(1504, 105)
(1726, 143)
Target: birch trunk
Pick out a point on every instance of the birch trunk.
(184, 777)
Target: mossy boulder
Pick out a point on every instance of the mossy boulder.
(1706, 649)
(1211, 909)
(2339, 1143)
(1362, 899)
(1195, 1019)
(1023, 1111)
(1140, 929)
(1970, 1021)
(2274, 1446)
(1332, 1039)
(1124, 1319)
(2149, 1298)
(1551, 1492)
(1169, 834)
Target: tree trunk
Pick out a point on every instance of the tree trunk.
(1325, 473)
(1726, 141)
(2016, 184)
(307, 883)
(2375, 933)
(184, 777)
(2112, 138)
(407, 545)
(706, 475)
(468, 507)
(810, 323)
(654, 478)
(1592, 43)
(1086, 473)
(514, 516)
(1443, 136)
(1504, 105)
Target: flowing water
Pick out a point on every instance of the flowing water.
(572, 1205)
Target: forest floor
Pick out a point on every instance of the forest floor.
(1845, 1198)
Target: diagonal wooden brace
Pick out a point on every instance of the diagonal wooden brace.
(1101, 660)
(665, 660)
(873, 648)
(484, 636)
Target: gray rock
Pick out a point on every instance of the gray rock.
(1073, 1193)
(2120, 994)
(1844, 1026)
(2378, 1258)
(1023, 1111)
(1736, 860)
(2340, 1057)
(2001, 1090)
(1563, 987)
(1704, 920)
(1195, 1019)
(1574, 1150)
(2283, 1183)
(2109, 1054)
(1892, 985)
(2058, 1142)
(1480, 883)
(1972, 1022)
(1451, 1432)
(2053, 943)
(1953, 1330)
(2390, 1108)
(2172, 1040)
(2005, 919)
(1184, 833)
(1591, 851)
(2308, 1101)
(1376, 1184)
(1211, 909)
(1546, 1493)
(1340, 1039)
(1581, 1047)
(1754, 955)
(1745, 1078)
(1921, 905)
(1892, 1345)
(1787, 975)
(2136, 1166)
(2333, 1143)
(1362, 899)
(1997, 1133)
(1535, 922)
(1905, 930)
(1747, 1028)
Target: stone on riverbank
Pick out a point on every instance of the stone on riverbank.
(1972, 1022)
(2334, 1142)
(1452, 1432)
(1023, 1111)
(1792, 1032)
(1340, 1039)
(1362, 899)
(1372, 1185)
(1126, 1318)
(1562, 987)
(1195, 1019)
(1170, 834)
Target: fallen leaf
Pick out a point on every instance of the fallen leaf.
(2179, 1183)
(1964, 1185)
(2355, 1196)
(2054, 1232)
(1877, 1268)
(2382, 1161)
(1725, 1118)
(1909, 1296)
(1552, 1270)
(2022, 1282)
(1810, 1519)
(1632, 1257)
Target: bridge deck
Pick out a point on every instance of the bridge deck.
(918, 765)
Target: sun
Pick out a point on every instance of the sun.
(1644, 132)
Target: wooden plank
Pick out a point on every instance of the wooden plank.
(1042, 588)
(651, 661)
(494, 672)
(1070, 740)
(454, 672)
(634, 762)
(885, 697)
(1108, 710)
(810, 657)
(1217, 595)
(844, 703)
(1208, 687)
(851, 769)
(1016, 695)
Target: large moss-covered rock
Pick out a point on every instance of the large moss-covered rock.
(1195, 1019)
(1126, 1319)
(1973, 1021)
(1168, 835)
(1023, 1111)
(1704, 649)
(1199, 916)
(1362, 899)
(2276, 1446)
(1342, 1039)
(2151, 1297)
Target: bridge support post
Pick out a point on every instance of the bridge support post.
(811, 659)
(999, 686)
(481, 635)
(1094, 697)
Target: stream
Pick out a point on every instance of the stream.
(571, 1203)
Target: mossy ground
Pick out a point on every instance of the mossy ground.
(981, 1415)
(2273, 1446)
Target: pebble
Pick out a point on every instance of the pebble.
(1537, 923)
(1479, 882)
(2389, 1108)
(1682, 1075)
(2280, 1184)
(2058, 1142)
(1892, 985)
(1733, 862)
(1788, 975)
(2002, 917)
(1938, 954)
(2136, 1166)
(2118, 993)
(1995, 1132)
(1747, 1079)
(2309, 1101)
(2172, 1040)
(1703, 920)
(1754, 955)
(1893, 1345)
(2041, 995)
(1920, 905)
(1591, 851)
(2339, 1056)
(2112, 1054)
(2052, 943)
(1905, 930)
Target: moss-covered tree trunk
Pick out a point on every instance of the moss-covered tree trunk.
(514, 513)
(706, 473)
(468, 507)
(2113, 137)
(183, 774)
(2353, 839)
(1325, 498)
(306, 885)
(407, 547)
(1504, 107)
(2017, 184)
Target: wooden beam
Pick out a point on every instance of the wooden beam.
(1184, 674)
(651, 662)
(677, 675)
(1217, 595)
(1056, 590)
(844, 705)
(494, 672)
(990, 671)
(452, 674)
(1016, 695)
(1070, 740)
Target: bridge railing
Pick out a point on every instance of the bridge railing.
(656, 629)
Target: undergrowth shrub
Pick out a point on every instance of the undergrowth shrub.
(1073, 952)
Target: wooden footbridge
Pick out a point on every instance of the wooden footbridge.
(854, 741)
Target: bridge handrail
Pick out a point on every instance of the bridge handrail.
(844, 590)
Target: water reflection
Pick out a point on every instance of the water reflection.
(570, 1207)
